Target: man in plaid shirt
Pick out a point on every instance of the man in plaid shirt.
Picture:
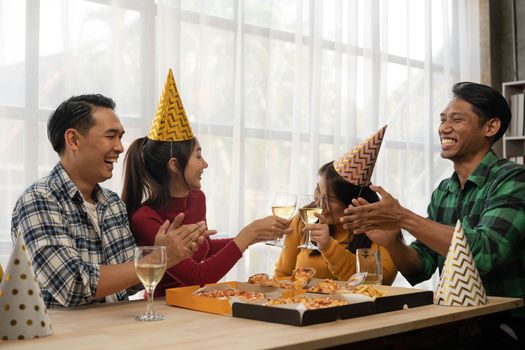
(76, 232)
(486, 194)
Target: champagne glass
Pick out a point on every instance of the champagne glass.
(308, 206)
(150, 264)
(283, 206)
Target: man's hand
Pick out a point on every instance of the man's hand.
(319, 232)
(181, 241)
(384, 215)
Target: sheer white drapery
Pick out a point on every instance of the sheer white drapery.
(273, 89)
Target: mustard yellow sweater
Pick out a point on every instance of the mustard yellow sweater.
(335, 262)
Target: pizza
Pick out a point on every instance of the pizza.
(309, 303)
(216, 293)
(222, 294)
(303, 273)
(258, 277)
(325, 286)
(250, 295)
(270, 283)
(296, 284)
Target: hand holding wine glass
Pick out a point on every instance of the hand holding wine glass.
(283, 206)
(150, 265)
(308, 207)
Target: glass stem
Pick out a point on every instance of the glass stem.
(149, 309)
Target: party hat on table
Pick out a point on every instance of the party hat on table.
(357, 165)
(24, 314)
(170, 122)
(460, 283)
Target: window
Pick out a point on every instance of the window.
(273, 89)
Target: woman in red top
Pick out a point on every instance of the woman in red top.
(162, 180)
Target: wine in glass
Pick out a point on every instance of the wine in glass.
(308, 207)
(283, 206)
(150, 264)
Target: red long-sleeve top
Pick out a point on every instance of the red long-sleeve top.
(209, 264)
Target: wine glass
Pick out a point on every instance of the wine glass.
(150, 264)
(308, 206)
(283, 206)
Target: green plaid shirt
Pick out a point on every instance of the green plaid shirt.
(491, 208)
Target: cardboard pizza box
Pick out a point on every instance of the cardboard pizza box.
(395, 298)
(298, 316)
(183, 296)
(398, 298)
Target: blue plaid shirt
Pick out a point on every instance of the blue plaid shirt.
(66, 252)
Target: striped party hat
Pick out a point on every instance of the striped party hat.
(460, 283)
(357, 165)
(170, 122)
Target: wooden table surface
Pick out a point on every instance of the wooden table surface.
(113, 326)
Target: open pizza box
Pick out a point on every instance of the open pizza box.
(298, 315)
(183, 296)
(393, 298)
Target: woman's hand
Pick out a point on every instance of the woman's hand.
(261, 230)
(319, 232)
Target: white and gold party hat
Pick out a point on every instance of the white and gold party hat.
(357, 165)
(460, 283)
(170, 122)
(24, 314)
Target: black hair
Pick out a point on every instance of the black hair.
(345, 192)
(486, 102)
(74, 113)
(146, 177)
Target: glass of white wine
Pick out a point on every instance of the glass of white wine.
(308, 206)
(283, 206)
(150, 264)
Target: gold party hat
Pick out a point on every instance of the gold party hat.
(357, 165)
(170, 122)
(460, 283)
(24, 314)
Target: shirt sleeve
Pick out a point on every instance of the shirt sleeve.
(210, 270)
(217, 244)
(428, 257)
(58, 265)
(288, 258)
(145, 225)
(499, 229)
(429, 263)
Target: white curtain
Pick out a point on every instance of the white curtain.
(273, 90)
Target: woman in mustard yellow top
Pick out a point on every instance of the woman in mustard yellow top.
(336, 256)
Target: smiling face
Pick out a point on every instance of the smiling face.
(463, 138)
(332, 207)
(100, 147)
(195, 168)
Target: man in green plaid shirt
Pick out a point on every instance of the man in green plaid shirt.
(486, 194)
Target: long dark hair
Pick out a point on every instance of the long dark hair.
(146, 177)
(344, 191)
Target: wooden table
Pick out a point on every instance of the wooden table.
(113, 326)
